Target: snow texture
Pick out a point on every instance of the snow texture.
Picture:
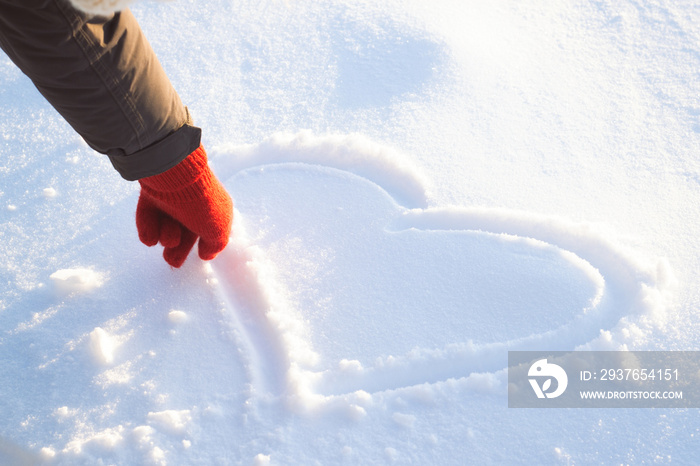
(419, 187)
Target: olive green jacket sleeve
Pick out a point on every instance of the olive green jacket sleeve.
(102, 76)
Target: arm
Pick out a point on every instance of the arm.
(103, 77)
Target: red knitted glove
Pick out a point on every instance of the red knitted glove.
(180, 205)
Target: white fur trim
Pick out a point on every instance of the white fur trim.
(101, 7)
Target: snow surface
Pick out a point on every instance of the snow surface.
(419, 186)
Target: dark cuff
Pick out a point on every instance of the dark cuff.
(158, 157)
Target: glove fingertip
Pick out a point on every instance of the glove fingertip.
(170, 233)
(174, 259)
(208, 250)
(149, 231)
(148, 241)
(175, 256)
(147, 222)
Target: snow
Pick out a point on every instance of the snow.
(102, 346)
(76, 280)
(419, 187)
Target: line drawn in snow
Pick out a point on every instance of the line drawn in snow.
(631, 292)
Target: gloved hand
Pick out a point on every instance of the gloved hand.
(182, 204)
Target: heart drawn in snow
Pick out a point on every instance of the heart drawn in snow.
(339, 289)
